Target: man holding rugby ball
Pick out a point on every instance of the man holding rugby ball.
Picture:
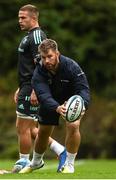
(55, 80)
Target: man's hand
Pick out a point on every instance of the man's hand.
(33, 98)
(16, 95)
(61, 110)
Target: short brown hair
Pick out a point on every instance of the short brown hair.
(48, 44)
(31, 8)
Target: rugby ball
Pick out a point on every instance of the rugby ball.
(74, 107)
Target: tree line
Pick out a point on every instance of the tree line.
(85, 31)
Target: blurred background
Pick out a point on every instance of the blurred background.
(85, 31)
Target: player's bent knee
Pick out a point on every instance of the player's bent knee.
(73, 127)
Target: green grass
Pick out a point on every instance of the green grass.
(84, 169)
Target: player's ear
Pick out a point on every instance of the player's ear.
(58, 53)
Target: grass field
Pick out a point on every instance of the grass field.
(84, 169)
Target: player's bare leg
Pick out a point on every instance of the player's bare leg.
(72, 143)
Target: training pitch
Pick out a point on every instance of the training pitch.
(84, 169)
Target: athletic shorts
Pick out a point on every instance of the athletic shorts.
(48, 118)
(52, 118)
(24, 108)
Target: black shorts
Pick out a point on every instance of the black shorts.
(23, 105)
(47, 117)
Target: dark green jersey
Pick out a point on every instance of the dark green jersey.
(27, 51)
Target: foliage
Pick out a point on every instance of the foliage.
(85, 31)
(98, 129)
